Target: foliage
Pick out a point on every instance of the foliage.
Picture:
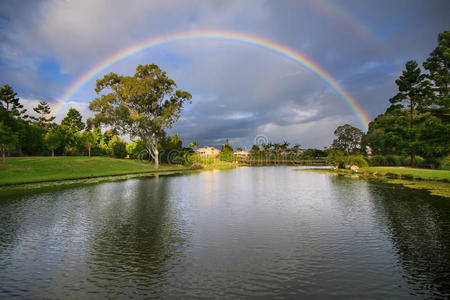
(336, 158)
(136, 150)
(355, 160)
(227, 152)
(254, 151)
(348, 139)
(143, 105)
(73, 120)
(394, 160)
(43, 112)
(10, 103)
(117, 147)
(378, 160)
(88, 139)
(419, 161)
(193, 144)
(418, 121)
(444, 163)
(53, 139)
(7, 139)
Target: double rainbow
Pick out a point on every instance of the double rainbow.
(217, 35)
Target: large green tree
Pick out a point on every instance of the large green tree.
(73, 120)
(413, 96)
(348, 139)
(144, 105)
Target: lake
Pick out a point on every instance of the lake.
(246, 232)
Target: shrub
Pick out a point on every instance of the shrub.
(419, 160)
(356, 160)
(378, 160)
(432, 162)
(137, 150)
(117, 147)
(336, 158)
(393, 160)
(444, 163)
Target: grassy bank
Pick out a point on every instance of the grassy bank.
(409, 173)
(437, 182)
(44, 169)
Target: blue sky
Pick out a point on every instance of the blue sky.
(239, 91)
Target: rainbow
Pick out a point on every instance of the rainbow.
(217, 35)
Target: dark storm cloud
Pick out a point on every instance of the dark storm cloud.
(239, 91)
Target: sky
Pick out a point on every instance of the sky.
(241, 91)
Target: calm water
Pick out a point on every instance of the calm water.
(248, 232)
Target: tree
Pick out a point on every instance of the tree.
(43, 118)
(254, 151)
(193, 144)
(73, 120)
(227, 152)
(348, 138)
(117, 147)
(89, 140)
(10, 103)
(414, 91)
(53, 139)
(438, 64)
(143, 105)
(7, 138)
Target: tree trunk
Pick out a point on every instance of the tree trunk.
(3, 153)
(411, 137)
(89, 150)
(53, 153)
(156, 158)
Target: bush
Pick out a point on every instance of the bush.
(137, 150)
(356, 160)
(432, 162)
(444, 163)
(393, 160)
(419, 161)
(199, 159)
(378, 160)
(117, 147)
(336, 158)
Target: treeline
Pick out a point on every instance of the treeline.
(22, 134)
(417, 121)
(415, 128)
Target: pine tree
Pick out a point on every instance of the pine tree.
(11, 103)
(43, 110)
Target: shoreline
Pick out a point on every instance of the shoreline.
(407, 177)
(35, 173)
(66, 182)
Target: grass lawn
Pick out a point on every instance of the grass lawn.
(437, 182)
(425, 174)
(41, 169)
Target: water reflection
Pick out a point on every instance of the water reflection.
(263, 232)
(419, 227)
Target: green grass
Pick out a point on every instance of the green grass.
(437, 182)
(42, 169)
(423, 174)
(436, 188)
